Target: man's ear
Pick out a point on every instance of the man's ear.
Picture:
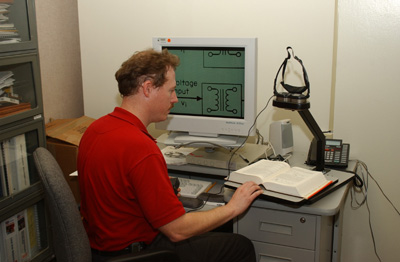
(147, 87)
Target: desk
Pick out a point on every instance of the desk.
(282, 232)
(289, 233)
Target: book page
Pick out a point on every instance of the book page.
(296, 176)
(259, 172)
(297, 182)
(266, 169)
(291, 178)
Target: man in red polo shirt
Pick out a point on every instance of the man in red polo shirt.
(127, 197)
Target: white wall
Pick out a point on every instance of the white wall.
(367, 115)
(111, 32)
(364, 83)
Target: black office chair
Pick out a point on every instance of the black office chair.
(71, 243)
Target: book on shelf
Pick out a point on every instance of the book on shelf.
(9, 25)
(5, 101)
(16, 163)
(32, 217)
(4, 7)
(23, 243)
(3, 17)
(279, 177)
(9, 234)
(4, 191)
(7, 85)
(4, 75)
(2, 243)
(15, 238)
(9, 40)
(8, 33)
(6, 184)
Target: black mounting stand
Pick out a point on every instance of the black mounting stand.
(312, 125)
(318, 135)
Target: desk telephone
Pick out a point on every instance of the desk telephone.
(336, 153)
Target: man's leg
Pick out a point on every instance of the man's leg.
(211, 247)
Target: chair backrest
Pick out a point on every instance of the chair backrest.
(69, 236)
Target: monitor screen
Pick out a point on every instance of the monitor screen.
(215, 86)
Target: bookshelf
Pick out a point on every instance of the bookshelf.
(24, 224)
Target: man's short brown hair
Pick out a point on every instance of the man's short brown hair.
(143, 66)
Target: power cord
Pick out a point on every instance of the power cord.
(247, 137)
(206, 200)
(361, 187)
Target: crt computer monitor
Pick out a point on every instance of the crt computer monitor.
(216, 88)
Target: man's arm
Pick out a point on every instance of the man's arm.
(196, 223)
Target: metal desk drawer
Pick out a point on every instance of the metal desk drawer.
(279, 227)
(275, 253)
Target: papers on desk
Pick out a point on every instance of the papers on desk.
(176, 156)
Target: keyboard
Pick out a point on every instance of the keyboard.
(192, 188)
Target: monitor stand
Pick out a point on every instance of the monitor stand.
(185, 139)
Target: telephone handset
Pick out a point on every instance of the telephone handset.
(336, 153)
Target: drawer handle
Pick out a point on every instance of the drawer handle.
(276, 228)
(302, 220)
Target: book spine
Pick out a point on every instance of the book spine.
(2, 243)
(319, 190)
(11, 165)
(33, 231)
(3, 190)
(23, 245)
(9, 227)
(8, 100)
(6, 176)
(16, 161)
(22, 162)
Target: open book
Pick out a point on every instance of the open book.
(280, 177)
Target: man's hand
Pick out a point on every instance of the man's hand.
(244, 196)
(195, 223)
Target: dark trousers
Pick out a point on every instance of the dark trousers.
(208, 247)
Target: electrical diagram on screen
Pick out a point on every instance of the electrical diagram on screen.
(205, 87)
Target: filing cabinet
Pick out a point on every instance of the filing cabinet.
(287, 236)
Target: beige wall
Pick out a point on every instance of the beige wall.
(367, 115)
(59, 54)
(110, 33)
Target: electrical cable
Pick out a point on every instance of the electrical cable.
(205, 201)
(248, 134)
(360, 164)
(372, 231)
(362, 168)
(358, 182)
(260, 138)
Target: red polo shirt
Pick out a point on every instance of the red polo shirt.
(126, 193)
